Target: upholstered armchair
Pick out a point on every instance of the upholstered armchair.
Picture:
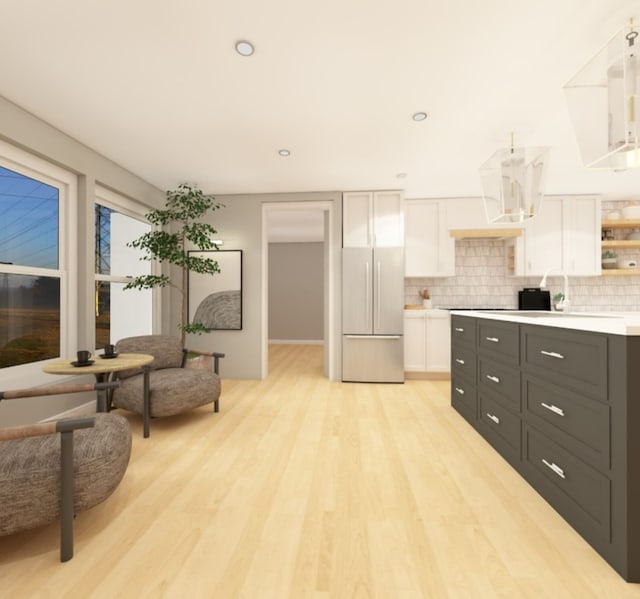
(52, 470)
(169, 385)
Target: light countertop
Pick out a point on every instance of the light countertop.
(615, 323)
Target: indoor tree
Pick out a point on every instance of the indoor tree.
(179, 225)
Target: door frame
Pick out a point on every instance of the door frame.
(327, 207)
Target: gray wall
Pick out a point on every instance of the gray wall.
(296, 291)
(240, 226)
(23, 130)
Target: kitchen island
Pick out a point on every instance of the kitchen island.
(558, 396)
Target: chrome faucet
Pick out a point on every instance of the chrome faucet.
(565, 304)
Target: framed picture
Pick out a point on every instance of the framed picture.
(215, 301)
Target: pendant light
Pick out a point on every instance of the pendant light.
(602, 99)
(512, 181)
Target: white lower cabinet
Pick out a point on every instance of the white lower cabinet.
(427, 341)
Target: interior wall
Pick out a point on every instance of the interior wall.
(31, 134)
(296, 292)
(239, 225)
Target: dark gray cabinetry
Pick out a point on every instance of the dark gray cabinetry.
(563, 408)
(499, 418)
(464, 367)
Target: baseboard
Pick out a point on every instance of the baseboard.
(86, 409)
(428, 376)
(296, 341)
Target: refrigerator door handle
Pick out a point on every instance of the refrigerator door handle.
(378, 301)
(367, 289)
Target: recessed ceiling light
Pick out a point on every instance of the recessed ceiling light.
(401, 175)
(244, 48)
(419, 116)
(284, 152)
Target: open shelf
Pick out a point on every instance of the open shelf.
(621, 223)
(621, 272)
(621, 243)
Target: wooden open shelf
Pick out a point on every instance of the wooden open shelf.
(621, 243)
(621, 223)
(621, 272)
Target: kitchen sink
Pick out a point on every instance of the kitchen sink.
(547, 314)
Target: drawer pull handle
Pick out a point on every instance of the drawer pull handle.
(459, 361)
(494, 418)
(460, 391)
(460, 329)
(552, 354)
(493, 339)
(559, 471)
(495, 379)
(552, 408)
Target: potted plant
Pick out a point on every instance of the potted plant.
(558, 298)
(178, 225)
(609, 259)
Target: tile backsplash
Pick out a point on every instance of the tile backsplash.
(481, 281)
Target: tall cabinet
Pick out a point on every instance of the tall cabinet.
(372, 219)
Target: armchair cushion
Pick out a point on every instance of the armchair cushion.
(173, 390)
(30, 472)
(166, 351)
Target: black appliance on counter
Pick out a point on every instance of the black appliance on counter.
(534, 298)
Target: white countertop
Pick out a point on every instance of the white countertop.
(616, 323)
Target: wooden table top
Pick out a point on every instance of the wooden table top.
(100, 366)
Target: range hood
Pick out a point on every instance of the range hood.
(484, 233)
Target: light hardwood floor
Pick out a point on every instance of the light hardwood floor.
(302, 488)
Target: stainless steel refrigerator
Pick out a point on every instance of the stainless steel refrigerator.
(372, 315)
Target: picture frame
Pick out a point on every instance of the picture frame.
(215, 301)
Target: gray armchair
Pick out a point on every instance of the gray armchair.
(52, 470)
(169, 385)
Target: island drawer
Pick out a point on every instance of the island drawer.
(463, 361)
(574, 359)
(463, 397)
(500, 427)
(500, 338)
(463, 329)
(501, 380)
(581, 494)
(578, 423)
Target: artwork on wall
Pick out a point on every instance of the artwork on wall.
(215, 301)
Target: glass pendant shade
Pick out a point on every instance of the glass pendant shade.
(512, 184)
(602, 99)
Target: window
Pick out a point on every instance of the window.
(119, 313)
(37, 241)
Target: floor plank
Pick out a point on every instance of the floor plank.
(304, 488)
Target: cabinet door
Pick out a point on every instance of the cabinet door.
(388, 219)
(438, 335)
(372, 219)
(429, 249)
(414, 341)
(357, 219)
(582, 236)
(543, 239)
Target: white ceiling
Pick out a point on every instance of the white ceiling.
(156, 86)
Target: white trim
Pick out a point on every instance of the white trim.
(66, 182)
(327, 206)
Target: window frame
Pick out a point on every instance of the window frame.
(115, 201)
(66, 182)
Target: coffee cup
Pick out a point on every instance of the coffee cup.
(109, 350)
(83, 356)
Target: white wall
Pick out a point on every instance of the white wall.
(33, 135)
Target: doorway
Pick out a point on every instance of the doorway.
(307, 223)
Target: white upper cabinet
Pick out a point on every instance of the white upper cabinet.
(565, 235)
(372, 219)
(429, 249)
